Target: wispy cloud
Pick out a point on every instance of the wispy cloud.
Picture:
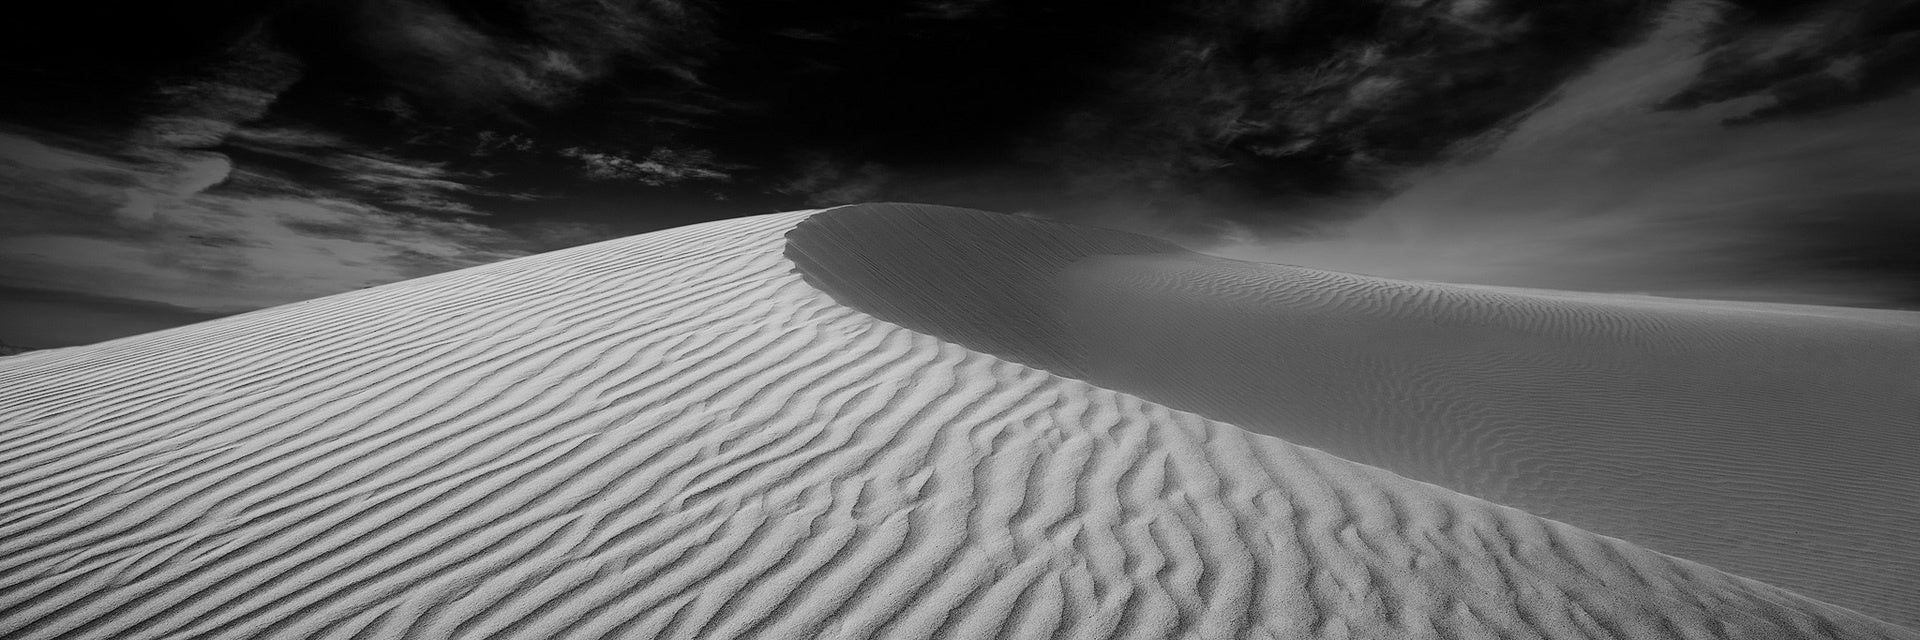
(490, 142)
(1809, 58)
(169, 179)
(660, 167)
(1603, 190)
(201, 107)
(1239, 108)
(213, 201)
(534, 53)
(950, 9)
(333, 163)
(285, 137)
(826, 180)
(166, 230)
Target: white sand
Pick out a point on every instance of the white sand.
(1774, 441)
(674, 435)
(1775, 445)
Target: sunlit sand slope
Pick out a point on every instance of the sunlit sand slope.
(674, 436)
(1778, 442)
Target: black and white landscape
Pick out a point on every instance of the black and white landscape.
(605, 319)
(712, 432)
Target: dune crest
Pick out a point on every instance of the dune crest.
(1773, 441)
(675, 436)
(959, 274)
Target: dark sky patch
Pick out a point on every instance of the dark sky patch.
(252, 137)
(44, 319)
(1810, 58)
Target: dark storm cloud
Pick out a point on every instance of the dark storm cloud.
(97, 64)
(494, 58)
(240, 153)
(1185, 110)
(1180, 113)
(253, 168)
(1599, 190)
(1248, 107)
(1810, 58)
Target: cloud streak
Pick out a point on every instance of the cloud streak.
(498, 57)
(661, 166)
(1602, 190)
(193, 232)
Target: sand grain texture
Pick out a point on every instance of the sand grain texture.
(675, 436)
(1775, 441)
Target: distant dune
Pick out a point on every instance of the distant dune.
(680, 435)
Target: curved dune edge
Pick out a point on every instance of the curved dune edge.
(1773, 441)
(959, 274)
(673, 435)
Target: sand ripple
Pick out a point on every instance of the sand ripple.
(675, 436)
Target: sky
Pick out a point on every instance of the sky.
(166, 163)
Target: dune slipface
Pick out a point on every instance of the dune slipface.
(1774, 441)
(674, 435)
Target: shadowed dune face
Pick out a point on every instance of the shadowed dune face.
(1776, 445)
(899, 262)
(675, 436)
(1773, 441)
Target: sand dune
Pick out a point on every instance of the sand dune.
(1774, 441)
(676, 436)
